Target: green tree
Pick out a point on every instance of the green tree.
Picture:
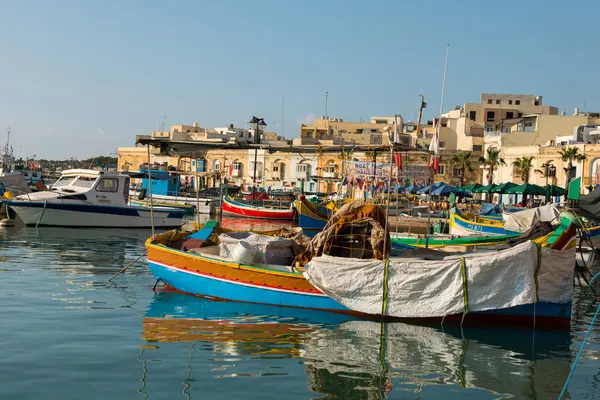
(522, 168)
(568, 155)
(492, 159)
(466, 163)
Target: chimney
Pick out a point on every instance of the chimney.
(576, 112)
(564, 112)
(195, 124)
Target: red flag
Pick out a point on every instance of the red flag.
(398, 160)
(435, 164)
(230, 169)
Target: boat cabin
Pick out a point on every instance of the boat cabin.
(89, 186)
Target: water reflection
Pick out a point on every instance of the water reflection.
(351, 359)
(75, 250)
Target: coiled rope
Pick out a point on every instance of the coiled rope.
(587, 335)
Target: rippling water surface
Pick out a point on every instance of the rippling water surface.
(67, 333)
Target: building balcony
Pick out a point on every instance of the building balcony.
(302, 175)
(236, 173)
(330, 174)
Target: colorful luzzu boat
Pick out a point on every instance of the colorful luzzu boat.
(445, 240)
(462, 226)
(239, 209)
(204, 271)
(310, 218)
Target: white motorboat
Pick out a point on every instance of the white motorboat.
(87, 198)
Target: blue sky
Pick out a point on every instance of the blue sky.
(81, 77)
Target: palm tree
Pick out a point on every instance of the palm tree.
(568, 155)
(522, 167)
(463, 159)
(492, 159)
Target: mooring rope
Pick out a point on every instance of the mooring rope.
(587, 335)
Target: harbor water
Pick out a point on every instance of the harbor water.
(68, 333)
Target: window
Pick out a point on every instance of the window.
(489, 128)
(441, 170)
(374, 131)
(498, 102)
(302, 168)
(359, 131)
(473, 115)
(490, 116)
(84, 181)
(507, 130)
(236, 166)
(520, 115)
(528, 126)
(489, 101)
(517, 102)
(108, 185)
(309, 135)
(510, 102)
(537, 103)
(442, 145)
(477, 147)
(216, 165)
(510, 115)
(381, 121)
(275, 167)
(63, 181)
(331, 168)
(457, 172)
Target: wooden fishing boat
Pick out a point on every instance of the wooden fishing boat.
(239, 209)
(446, 240)
(310, 218)
(202, 270)
(464, 227)
(188, 209)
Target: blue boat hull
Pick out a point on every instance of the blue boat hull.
(311, 226)
(541, 315)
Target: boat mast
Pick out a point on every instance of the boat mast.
(436, 146)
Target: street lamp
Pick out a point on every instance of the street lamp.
(257, 124)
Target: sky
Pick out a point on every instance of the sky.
(80, 78)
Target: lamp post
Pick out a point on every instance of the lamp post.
(257, 124)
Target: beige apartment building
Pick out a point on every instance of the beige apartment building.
(539, 129)
(465, 128)
(334, 131)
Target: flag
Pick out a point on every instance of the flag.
(398, 161)
(230, 169)
(435, 164)
(575, 189)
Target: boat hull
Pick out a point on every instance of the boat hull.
(88, 215)
(249, 211)
(461, 226)
(310, 222)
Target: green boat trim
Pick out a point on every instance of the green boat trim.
(451, 240)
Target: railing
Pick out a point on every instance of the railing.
(493, 133)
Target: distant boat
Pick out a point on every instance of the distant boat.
(249, 210)
(87, 198)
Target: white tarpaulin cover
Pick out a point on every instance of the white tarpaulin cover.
(435, 288)
(267, 249)
(523, 220)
